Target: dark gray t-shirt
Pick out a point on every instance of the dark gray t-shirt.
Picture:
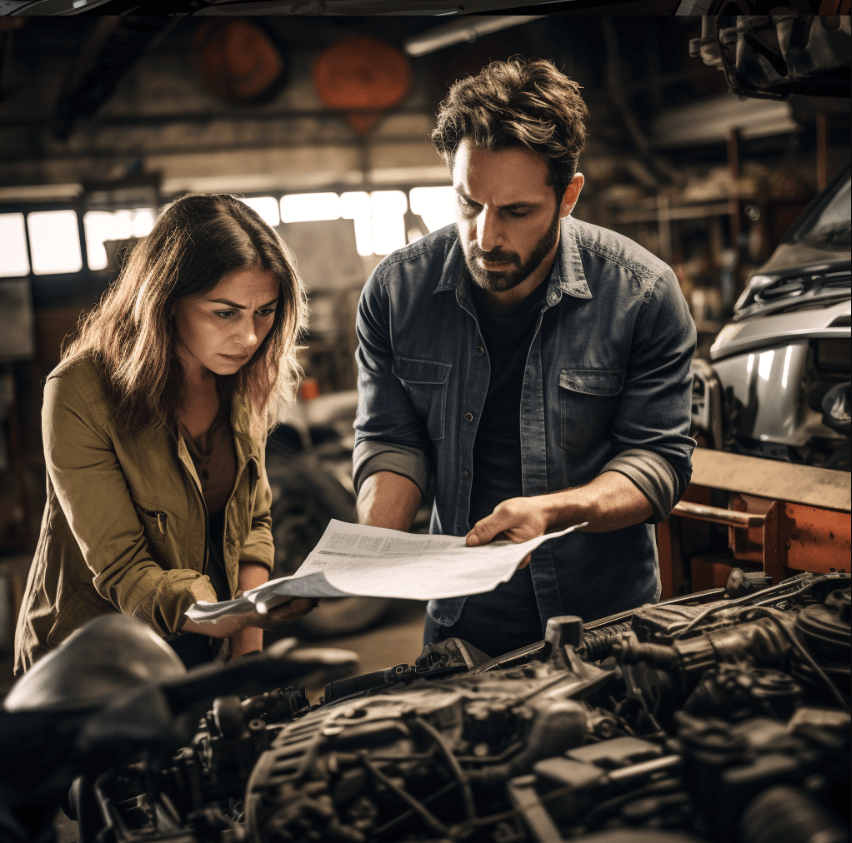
(497, 447)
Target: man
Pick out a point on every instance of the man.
(536, 366)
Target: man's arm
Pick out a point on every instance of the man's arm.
(609, 502)
(388, 500)
(390, 460)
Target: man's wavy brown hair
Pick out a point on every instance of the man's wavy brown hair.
(131, 338)
(514, 103)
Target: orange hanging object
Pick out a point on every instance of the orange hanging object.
(362, 77)
(237, 61)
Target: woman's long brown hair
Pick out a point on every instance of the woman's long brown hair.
(131, 338)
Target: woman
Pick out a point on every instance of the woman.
(154, 427)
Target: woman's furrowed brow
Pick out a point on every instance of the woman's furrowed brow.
(240, 306)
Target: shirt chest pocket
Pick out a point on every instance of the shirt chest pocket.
(425, 381)
(587, 399)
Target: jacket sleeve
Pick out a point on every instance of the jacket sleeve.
(651, 421)
(389, 433)
(91, 489)
(259, 547)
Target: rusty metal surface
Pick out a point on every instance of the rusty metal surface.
(798, 484)
(717, 515)
(815, 539)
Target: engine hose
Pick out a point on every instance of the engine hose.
(597, 643)
(786, 814)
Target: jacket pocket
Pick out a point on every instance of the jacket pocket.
(426, 382)
(587, 399)
(155, 525)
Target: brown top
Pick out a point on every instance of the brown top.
(214, 458)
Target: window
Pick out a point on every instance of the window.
(355, 206)
(436, 205)
(308, 207)
(13, 255)
(379, 219)
(54, 242)
(266, 207)
(101, 226)
(387, 208)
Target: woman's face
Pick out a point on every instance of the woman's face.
(220, 330)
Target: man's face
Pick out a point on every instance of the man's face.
(507, 214)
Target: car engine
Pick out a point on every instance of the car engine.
(722, 720)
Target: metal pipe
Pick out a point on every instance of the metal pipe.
(460, 31)
(717, 515)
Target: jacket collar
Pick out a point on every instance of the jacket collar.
(567, 275)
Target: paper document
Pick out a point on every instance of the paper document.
(353, 559)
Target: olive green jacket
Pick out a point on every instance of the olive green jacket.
(124, 528)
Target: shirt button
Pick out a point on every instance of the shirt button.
(479, 351)
(468, 416)
(466, 474)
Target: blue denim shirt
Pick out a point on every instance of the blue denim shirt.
(607, 387)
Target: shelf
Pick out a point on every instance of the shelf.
(674, 212)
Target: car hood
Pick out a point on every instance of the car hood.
(805, 258)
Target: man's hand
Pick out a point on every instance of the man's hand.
(517, 519)
(609, 502)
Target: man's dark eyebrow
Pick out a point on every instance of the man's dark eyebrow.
(509, 207)
(239, 306)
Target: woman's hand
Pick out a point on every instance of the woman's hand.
(282, 610)
(279, 611)
(286, 610)
(250, 638)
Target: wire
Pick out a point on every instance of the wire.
(429, 818)
(391, 824)
(447, 752)
(765, 612)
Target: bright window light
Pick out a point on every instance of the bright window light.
(307, 207)
(13, 255)
(100, 226)
(355, 206)
(388, 208)
(266, 207)
(54, 242)
(142, 222)
(435, 204)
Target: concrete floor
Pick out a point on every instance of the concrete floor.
(397, 639)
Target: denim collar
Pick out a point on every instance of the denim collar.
(567, 275)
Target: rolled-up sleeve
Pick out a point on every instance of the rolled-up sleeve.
(91, 489)
(651, 422)
(370, 457)
(389, 433)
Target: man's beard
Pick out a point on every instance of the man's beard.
(499, 281)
